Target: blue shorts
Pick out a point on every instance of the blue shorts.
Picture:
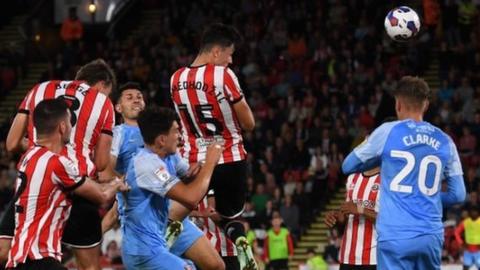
(187, 238)
(162, 260)
(419, 253)
(471, 258)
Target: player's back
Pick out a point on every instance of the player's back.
(204, 97)
(415, 157)
(91, 112)
(42, 204)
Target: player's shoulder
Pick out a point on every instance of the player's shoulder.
(437, 132)
(229, 71)
(44, 85)
(179, 71)
(174, 158)
(118, 128)
(145, 159)
(350, 178)
(125, 130)
(386, 127)
(60, 160)
(118, 131)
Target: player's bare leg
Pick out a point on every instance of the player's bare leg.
(87, 258)
(4, 248)
(204, 255)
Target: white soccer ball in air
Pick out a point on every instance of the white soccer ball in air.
(402, 23)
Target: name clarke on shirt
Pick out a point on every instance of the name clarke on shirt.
(421, 139)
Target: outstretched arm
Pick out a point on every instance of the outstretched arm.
(367, 155)
(16, 134)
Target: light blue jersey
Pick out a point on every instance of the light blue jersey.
(415, 157)
(126, 140)
(146, 212)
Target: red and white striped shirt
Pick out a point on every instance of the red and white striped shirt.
(41, 204)
(204, 97)
(359, 243)
(92, 114)
(217, 237)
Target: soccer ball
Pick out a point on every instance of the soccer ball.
(402, 23)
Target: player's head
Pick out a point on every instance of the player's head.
(311, 253)
(474, 212)
(129, 101)
(51, 118)
(160, 129)
(277, 222)
(218, 42)
(411, 96)
(98, 74)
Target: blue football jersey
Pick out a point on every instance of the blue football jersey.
(126, 140)
(146, 210)
(414, 157)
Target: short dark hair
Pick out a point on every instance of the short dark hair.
(125, 86)
(155, 121)
(219, 34)
(414, 89)
(47, 114)
(95, 71)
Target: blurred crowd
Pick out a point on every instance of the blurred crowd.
(317, 75)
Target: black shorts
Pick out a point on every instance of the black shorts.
(42, 264)
(7, 224)
(357, 267)
(229, 183)
(84, 226)
(231, 263)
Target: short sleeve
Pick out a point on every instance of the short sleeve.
(117, 140)
(152, 175)
(109, 117)
(66, 173)
(454, 166)
(24, 106)
(373, 146)
(233, 90)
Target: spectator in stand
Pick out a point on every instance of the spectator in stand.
(290, 215)
(314, 261)
(114, 235)
(331, 250)
(113, 254)
(260, 198)
(471, 242)
(72, 27)
(249, 213)
(278, 246)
